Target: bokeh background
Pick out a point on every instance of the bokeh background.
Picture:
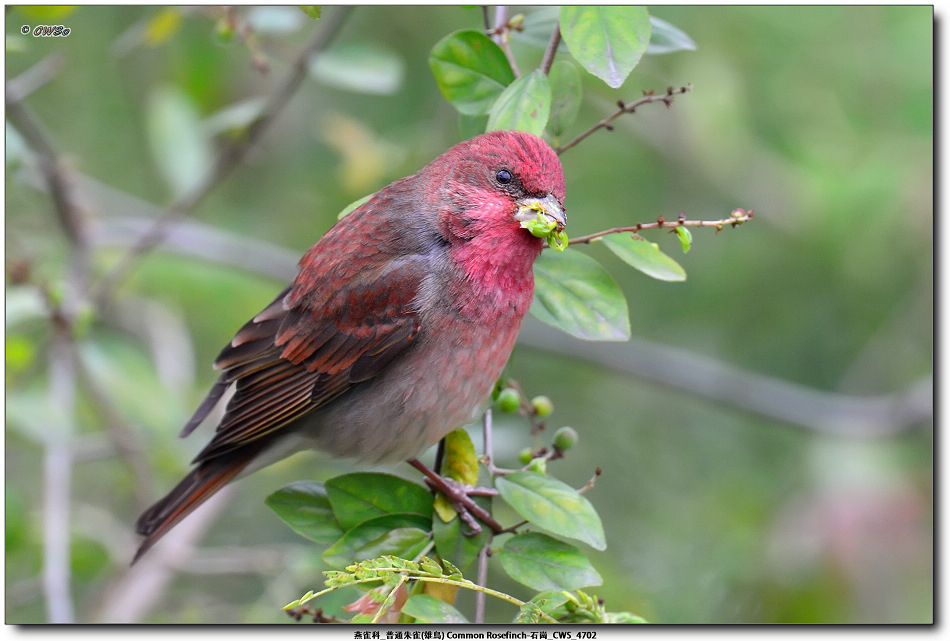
(766, 439)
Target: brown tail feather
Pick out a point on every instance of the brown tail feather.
(194, 489)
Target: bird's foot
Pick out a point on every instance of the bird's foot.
(461, 497)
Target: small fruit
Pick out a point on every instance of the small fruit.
(509, 400)
(565, 438)
(525, 455)
(542, 406)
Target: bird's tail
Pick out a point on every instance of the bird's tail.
(196, 488)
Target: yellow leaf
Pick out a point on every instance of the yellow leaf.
(162, 27)
(460, 464)
(441, 591)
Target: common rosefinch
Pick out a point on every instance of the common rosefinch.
(396, 328)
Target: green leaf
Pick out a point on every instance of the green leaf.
(425, 608)
(372, 535)
(311, 11)
(304, 506)
(470, 70)
(544, 563)
(523, 106)
(607, 41)
(645, 256)
(552, 505)
(178, 143)
(575, 294)
(363, 67)
(685, 238)
(404, 542)
(361, 496)
(665, 38)
(565, 96)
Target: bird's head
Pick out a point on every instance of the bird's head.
(504, 188)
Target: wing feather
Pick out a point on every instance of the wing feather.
(311, 344)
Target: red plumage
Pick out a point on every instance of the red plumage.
(399, 322)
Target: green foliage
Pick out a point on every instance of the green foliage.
(471, 71)
(305, 507)
(397, 525)
(607, 41)
(552, 505)
(567, 93)
(524, 105)
(645, 256)
(544, 563)
(575, 294)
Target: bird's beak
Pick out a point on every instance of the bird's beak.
(543, 212)
(544, 218)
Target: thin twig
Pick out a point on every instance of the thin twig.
(37, 76)
(738, 217)
(649, 97)
(551, 50)
(500, 33)
(482, 579)
(58, 454)
(227, 160)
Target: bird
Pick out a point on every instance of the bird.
(396, 328)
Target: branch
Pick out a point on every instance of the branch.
(57, 451)
(499, 34)
(227, 160)
(737, 217)
(648, 97)
(724, 384)
(551, 50)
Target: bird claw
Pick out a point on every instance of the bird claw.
(460, 496)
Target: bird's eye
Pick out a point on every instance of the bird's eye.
(503, 176)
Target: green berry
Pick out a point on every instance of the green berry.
(525, 455)
(509, 400)
(538, 465)
(565, 438)
(542, 406)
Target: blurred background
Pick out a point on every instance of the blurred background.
(766, 438)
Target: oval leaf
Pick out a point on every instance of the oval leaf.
(645, 256)
(544, 563)
(179, 144)
(304, 506)
(552, 505)
(470, 70)
(565, 96)
(369, 535)
(359, 66)
(665, 38)
(575, 294)
(607, 41)
(404, 542)
(524, 106)
(460, 463)
(361, 496)
(428, 609)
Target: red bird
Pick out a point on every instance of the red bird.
(396, 328)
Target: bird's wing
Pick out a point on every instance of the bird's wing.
(308, 346)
